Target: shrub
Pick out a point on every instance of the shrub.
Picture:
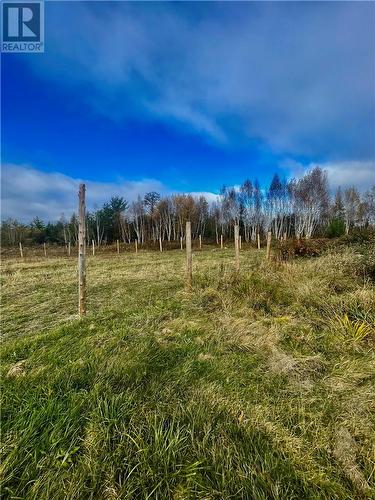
(359, 235)
(335, 228)
(300, 248)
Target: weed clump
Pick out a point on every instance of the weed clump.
(289, 249)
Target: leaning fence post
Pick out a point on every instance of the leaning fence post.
(136, 245)
(268, 252)
(93, 247)
(81, 251)
(160, 244)
(21, 251)
(237, 246)
(221, 242)
(189, 269)
(45, 250)
(118, 246)
(258, 238)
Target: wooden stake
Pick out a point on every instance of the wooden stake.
(237, 246)
(21, 251)
(200, 242)
(285, 236)
(118, 246)
(82, 251)
(45, 250)
(258, 238)
(221, 241)
(93, 247)
(181, 243)
(136, 246)
(189, 262)
(268, 252)
(69, 248)
(240, 240)
(160, 244)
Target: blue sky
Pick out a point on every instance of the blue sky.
(131, 97)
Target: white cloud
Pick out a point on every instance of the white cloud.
(346, 173)
(28, 192)
(358, 173)
(210, 197)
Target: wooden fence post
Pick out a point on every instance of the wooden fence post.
(136, 246)
(240, 240)
(69, 248)
(200, 242)
(93, 247)
(221, 241)
(189, 268)
(21, 251)
(82, 251)
(118, 246)
(45, 250)
(258, 238)
(160, 244)
(237, 246)
(284, 235)
(268, 252)
(181, 243)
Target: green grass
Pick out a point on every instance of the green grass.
(258, 385)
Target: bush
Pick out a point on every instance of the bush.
(300, 248)
(335, 228)
(359, 235)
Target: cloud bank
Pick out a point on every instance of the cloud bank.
(360, 174)
(28, 192)
(296, 77)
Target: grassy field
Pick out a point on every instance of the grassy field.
(256, 386)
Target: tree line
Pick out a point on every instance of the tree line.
(297, 208)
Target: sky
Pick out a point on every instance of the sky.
(186, 97)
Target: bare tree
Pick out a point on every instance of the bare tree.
(352, 207)
(310, 201)
(369, 206)
(138, 216)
